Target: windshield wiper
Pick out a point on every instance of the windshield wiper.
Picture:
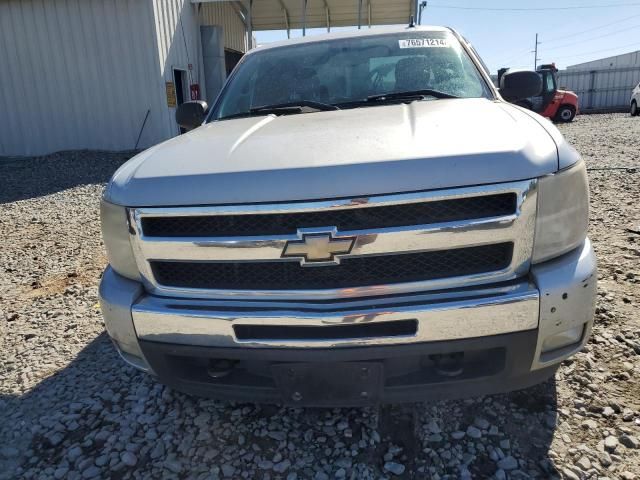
(290, 108)
(409, 94)
(296, 106)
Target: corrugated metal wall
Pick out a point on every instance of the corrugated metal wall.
(225, 16)
(76, 74)
(601, 89)
(82, 74)
(178, 35)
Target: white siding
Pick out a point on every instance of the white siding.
(224, 15)
(77, 74)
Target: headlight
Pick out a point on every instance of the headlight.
(563, 212)
(115, 232)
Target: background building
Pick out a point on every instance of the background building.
(108, 74)
(625, 60)
(604, 84)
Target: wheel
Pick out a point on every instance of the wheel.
(566, 113)
(634, 109)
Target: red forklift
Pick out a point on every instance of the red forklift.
(558, 105)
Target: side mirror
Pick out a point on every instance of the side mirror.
(190, 115)
(520, 84)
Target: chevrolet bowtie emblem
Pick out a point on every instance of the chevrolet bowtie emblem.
(319, 248)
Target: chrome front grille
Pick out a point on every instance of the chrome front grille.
(287, 223)
(402, 243)
(351, 272)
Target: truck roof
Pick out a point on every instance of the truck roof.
(350, 34)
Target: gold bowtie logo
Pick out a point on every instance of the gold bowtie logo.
(318, 249)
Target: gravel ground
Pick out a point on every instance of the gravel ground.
(69, 408)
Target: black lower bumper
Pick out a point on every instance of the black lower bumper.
(351, 376)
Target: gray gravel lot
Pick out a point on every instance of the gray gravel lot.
(69, 408)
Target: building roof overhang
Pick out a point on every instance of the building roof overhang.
(303, 14)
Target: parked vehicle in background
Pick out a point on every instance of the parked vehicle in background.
(360, 218)
(554, 103)
(635, 101)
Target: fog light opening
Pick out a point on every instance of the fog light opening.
(220, 367)
(563, 339)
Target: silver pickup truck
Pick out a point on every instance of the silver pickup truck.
(359, 218)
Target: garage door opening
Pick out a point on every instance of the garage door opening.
(180, 81)
(231, 59)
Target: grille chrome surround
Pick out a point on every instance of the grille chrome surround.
(517, 228)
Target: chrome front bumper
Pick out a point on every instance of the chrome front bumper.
(444, 316)
(557, 296)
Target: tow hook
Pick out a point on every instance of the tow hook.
(448, 365)
(220, 367)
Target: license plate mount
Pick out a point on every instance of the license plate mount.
(329, 384)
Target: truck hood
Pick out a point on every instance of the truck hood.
(353, 152)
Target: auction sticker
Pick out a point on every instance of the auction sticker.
(423, 43)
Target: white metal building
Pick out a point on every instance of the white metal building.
(108, 74)
(604, 84)
(83, 74)
(625, 60)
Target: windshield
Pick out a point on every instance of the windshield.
(348, 72)
(548, 82)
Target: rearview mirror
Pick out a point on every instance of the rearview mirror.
(190, 115)
(520, 84)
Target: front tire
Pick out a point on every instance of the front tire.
(634, 109)
(566, 114)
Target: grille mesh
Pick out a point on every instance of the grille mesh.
(345, 219)
(352, 272)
